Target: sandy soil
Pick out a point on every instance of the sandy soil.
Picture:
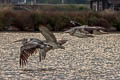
(96, 58)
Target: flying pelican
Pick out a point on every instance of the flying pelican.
(33, 45)
(80, 32)
(84, 30)
(87, 29)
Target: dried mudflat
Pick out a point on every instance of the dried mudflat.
(96, 58)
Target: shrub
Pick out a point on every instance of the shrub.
(56, 21)
(83, 8)
(2, 26)
(113, 19)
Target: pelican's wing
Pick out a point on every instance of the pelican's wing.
(26, 51)
(49, 36)
(69, 30)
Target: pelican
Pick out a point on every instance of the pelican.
(79, 31)
(85, 30)
(33, 45)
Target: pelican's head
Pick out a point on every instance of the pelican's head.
(72, 22)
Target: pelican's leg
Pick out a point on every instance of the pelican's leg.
(43, 53)
(40, 56)
(73, 31)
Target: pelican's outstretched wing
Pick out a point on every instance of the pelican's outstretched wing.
(70, 31)
(49, 36)
(27, 50)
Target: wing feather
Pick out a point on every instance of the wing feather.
(26, 51)
(29, 49)
(40, 56)
(49, 36)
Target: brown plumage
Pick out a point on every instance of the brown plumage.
(32, 47)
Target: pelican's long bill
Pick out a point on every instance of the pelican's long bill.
(18, 40)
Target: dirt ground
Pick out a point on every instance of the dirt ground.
(96, 58)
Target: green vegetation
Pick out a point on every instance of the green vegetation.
(56, 21)
(63, 7)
